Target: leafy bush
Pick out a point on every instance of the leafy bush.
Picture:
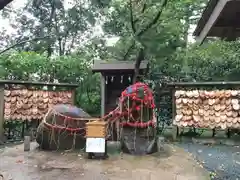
(30, 66)
(214, 61)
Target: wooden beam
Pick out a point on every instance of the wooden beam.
(232, 35)
(38, 83)
(209, 84)
(175, 128)
(1, 111)
(114, 66)
(3, 3)
(103, 97)
(73, 97)
(212, 20)
(227, 23)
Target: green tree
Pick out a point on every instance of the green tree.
(151, 30)
(52, 27)
(75, 68)
(213, 61)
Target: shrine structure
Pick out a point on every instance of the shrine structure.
(116, 76)
(219, 19)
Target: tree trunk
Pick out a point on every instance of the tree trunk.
(138, 61)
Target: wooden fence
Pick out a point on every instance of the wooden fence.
(8, 85)
(208, 86)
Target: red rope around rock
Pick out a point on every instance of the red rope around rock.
(133, 101)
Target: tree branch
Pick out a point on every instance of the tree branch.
(138, 61)
(23, 42)
(59, 38)
(144, 8)
(65, 40)
(155, 19)
(53, 9)
(128, 51)
(134, 21)
(141, 53)
(72, 43)
(131, 17)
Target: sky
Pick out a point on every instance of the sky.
(18, 4)
(5, 22)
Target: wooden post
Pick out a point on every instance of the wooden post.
(175, 128)
(213, 132)
(1, 111)
(228, 133)
(73, 96)
(102, 95)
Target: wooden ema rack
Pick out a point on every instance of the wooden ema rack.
(96, 129)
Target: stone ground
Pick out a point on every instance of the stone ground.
(172, 164)
(223, 160)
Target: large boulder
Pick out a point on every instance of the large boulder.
(138, 122)
(62, 129)
(138, 141)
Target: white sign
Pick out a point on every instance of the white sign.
(95, 145)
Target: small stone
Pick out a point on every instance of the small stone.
(237, 162)
(19, 161)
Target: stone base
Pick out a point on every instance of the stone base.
(55, 140)
(138, 141)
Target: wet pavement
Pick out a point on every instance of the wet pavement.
(172, 164)
(224, 161)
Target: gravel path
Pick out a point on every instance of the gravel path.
(16, 164)
(222, 160)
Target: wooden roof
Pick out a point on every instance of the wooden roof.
(3, 3)
(219, 19)
(105, 66)
(16, 82)
(205, 16)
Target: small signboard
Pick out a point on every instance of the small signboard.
(95, 145)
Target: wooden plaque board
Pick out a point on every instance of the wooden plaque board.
(95, 145)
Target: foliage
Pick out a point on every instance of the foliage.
(150, 24)
(51, 26)
(14, 130)
(214, 61)
(30, 66)
(23, 66)
(68, 44)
